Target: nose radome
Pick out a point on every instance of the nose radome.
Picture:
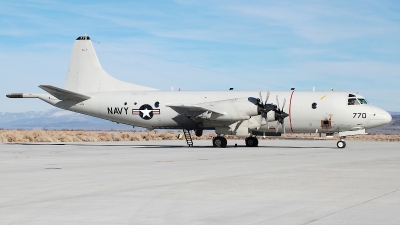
(380, 117)
(387, 118)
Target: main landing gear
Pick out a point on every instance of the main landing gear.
(251, 142)
(341, 143)
(220, 141)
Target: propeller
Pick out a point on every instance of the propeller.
(263, 107)
(264, 112)
(280, 115)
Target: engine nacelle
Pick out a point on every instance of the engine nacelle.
(230, 110)
(238, 129)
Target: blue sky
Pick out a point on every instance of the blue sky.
(207, 45)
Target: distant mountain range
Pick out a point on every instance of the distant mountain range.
(57, 119)
(390, 128)
(394, 113)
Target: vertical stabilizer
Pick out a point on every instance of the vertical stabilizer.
(85, 74)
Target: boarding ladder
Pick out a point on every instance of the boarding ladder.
(188, 137)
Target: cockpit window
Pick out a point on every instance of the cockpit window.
(353, 101)
(362, 101)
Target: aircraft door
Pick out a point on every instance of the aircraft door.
(311, 112)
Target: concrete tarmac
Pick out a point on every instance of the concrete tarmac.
(165, 182)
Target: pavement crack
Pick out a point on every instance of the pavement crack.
(352, 206)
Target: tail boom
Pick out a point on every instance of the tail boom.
(21, 95)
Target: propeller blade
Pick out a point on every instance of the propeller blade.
(283, 125)
(259, 122)
(253, 100)
(266, 100)
(259, 94)
(284, 101)
(277, 102)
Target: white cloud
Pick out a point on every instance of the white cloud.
(366, 69)
(321, 21)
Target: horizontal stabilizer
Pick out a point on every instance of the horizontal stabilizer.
(63, 94)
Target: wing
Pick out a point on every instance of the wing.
(196, 111)
(229, 110)
(63, 94)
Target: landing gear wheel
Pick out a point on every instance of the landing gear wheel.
(219, 142)
(341, 144)
(251, 142)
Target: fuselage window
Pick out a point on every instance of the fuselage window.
(362, 101)
(353, 101)
(314, 105)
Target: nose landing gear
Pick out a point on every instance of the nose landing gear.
(341, 143)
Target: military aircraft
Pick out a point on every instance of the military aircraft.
(92, 91)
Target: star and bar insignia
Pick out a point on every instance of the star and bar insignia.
(145, 111)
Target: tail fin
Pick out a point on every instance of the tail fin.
(85, 74)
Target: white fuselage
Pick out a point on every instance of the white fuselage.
(331, 114)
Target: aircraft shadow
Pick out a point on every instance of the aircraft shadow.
(169, 146)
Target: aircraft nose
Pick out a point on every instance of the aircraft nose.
(387, 118)
(380, 117)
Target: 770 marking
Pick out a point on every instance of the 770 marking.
(358, 115)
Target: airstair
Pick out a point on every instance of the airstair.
(188, 137)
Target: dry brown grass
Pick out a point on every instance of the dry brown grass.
(7, 136)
